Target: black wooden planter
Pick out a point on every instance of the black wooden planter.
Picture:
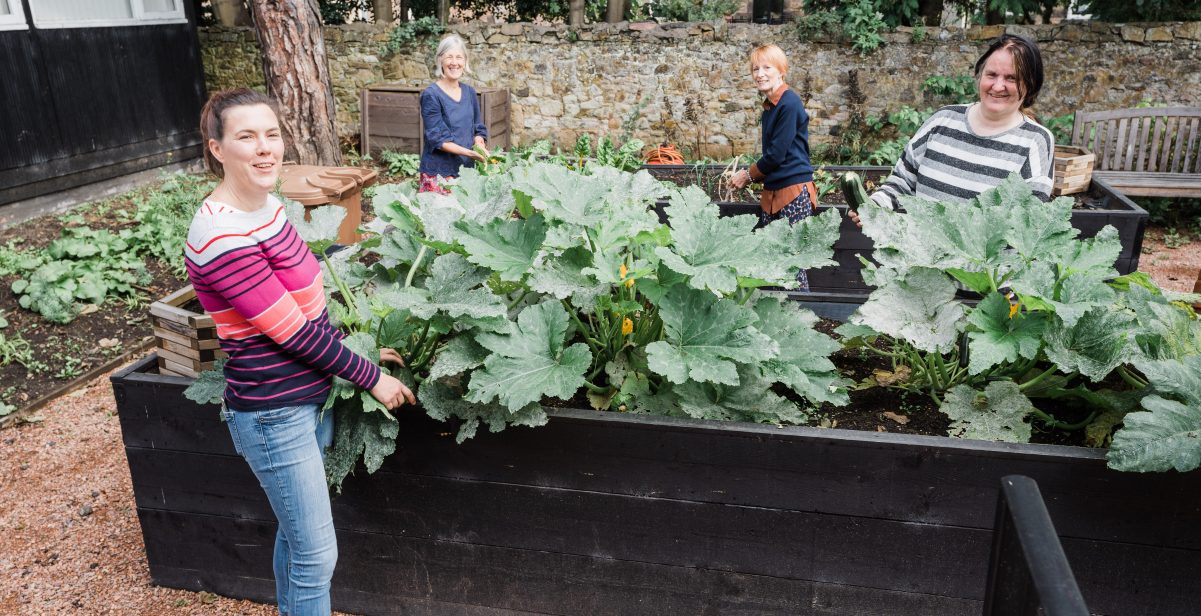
(1112, 208)
(604, 513)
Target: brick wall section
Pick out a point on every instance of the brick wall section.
(567, 81)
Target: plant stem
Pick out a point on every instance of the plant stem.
(413, 267)
(1131, 379)
(1036, 380)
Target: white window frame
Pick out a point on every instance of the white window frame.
(137, 8)
(16, 20)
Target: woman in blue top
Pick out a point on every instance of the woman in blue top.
(452, 118)
(784, 168)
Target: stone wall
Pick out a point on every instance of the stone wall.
(689, 83)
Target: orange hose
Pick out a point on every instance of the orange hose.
(665, 154)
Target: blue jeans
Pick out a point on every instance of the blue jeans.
(285, 448)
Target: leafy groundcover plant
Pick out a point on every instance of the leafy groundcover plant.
(536, 283)
(1053, 325)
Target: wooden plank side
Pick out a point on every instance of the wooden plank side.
(742, 539)
(1192, 155)
(742, 464)
(401, 570)
(1180, 137)
(1153, 164)
(1119, 146)
(1143, 135)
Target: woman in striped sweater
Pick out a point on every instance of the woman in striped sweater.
(964, 150)
(263, 288)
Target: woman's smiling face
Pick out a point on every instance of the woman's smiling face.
(251, 148)
(454, 63)
(998, 86)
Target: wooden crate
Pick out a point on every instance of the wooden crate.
(390, 118)
(187, 341)
(1073, 169)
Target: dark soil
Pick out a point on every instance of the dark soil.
(60, 354)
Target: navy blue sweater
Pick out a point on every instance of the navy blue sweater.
(446, 119)
(785, 160)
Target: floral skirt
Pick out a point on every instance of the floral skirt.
(797, 210)
(433, 183)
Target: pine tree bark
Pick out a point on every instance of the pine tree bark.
(297, 74)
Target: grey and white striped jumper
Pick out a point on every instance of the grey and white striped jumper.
(946, 161)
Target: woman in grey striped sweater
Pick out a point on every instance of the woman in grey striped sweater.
(964, 150)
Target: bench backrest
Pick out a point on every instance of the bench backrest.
(1155, 139)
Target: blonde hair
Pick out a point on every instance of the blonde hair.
(770, 54)
(447, 45)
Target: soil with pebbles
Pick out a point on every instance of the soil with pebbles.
(69, 534)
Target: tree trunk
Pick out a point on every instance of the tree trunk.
(616, 11)
(575, 12)
(383, 11)
(443, 12)
(297, 75)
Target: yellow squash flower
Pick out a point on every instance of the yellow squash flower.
(627, 327)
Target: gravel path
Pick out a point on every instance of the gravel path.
(69, 535)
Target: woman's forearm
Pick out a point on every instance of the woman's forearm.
(455, 148)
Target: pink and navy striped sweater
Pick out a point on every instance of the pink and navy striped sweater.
(260, 282)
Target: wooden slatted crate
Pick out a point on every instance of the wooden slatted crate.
(1073, 169)
(187, 340)
(390, 118)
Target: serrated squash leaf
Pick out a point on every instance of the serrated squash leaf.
(459, 355)
(996, 414)
(530, 361)
(562, 194)
(209, 386)
(803, 362)
(1095, 345)
(504, 245)
(321, 230)
(751, 400)
(564, 277)
(370, 435)
(706, 335)
(443, 402)
(1166, 436)
(997, 337)
(921, 309)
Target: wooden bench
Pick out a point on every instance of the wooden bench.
(1154, 152)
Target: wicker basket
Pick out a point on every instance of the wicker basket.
(187, 341)
(1073, 169)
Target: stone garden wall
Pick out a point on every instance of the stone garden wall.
(689, 83)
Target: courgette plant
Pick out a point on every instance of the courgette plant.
(1054, 322)
(537, 282)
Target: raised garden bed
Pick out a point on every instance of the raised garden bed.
(627, 514)
(1100, 205)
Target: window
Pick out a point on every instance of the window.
(12, 15)
(102, 13)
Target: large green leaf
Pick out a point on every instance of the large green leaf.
(809, 244)
(999, 337)
(530, 361)
(997, 414)
(705, 336)
(371, 435)
(484, 198)
(714, 251)
(443, 402)
(563, 277)
(321, 230)
(803, 363)
(1094, 256)
(921, 309)
(562, 194)
(751, 400)
(459, 355)
(455, 288)
(1166, 436)
(209, 386)
(1036, 229)
(507, 246)
(1094, 346)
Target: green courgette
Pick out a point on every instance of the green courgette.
(853, 190)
